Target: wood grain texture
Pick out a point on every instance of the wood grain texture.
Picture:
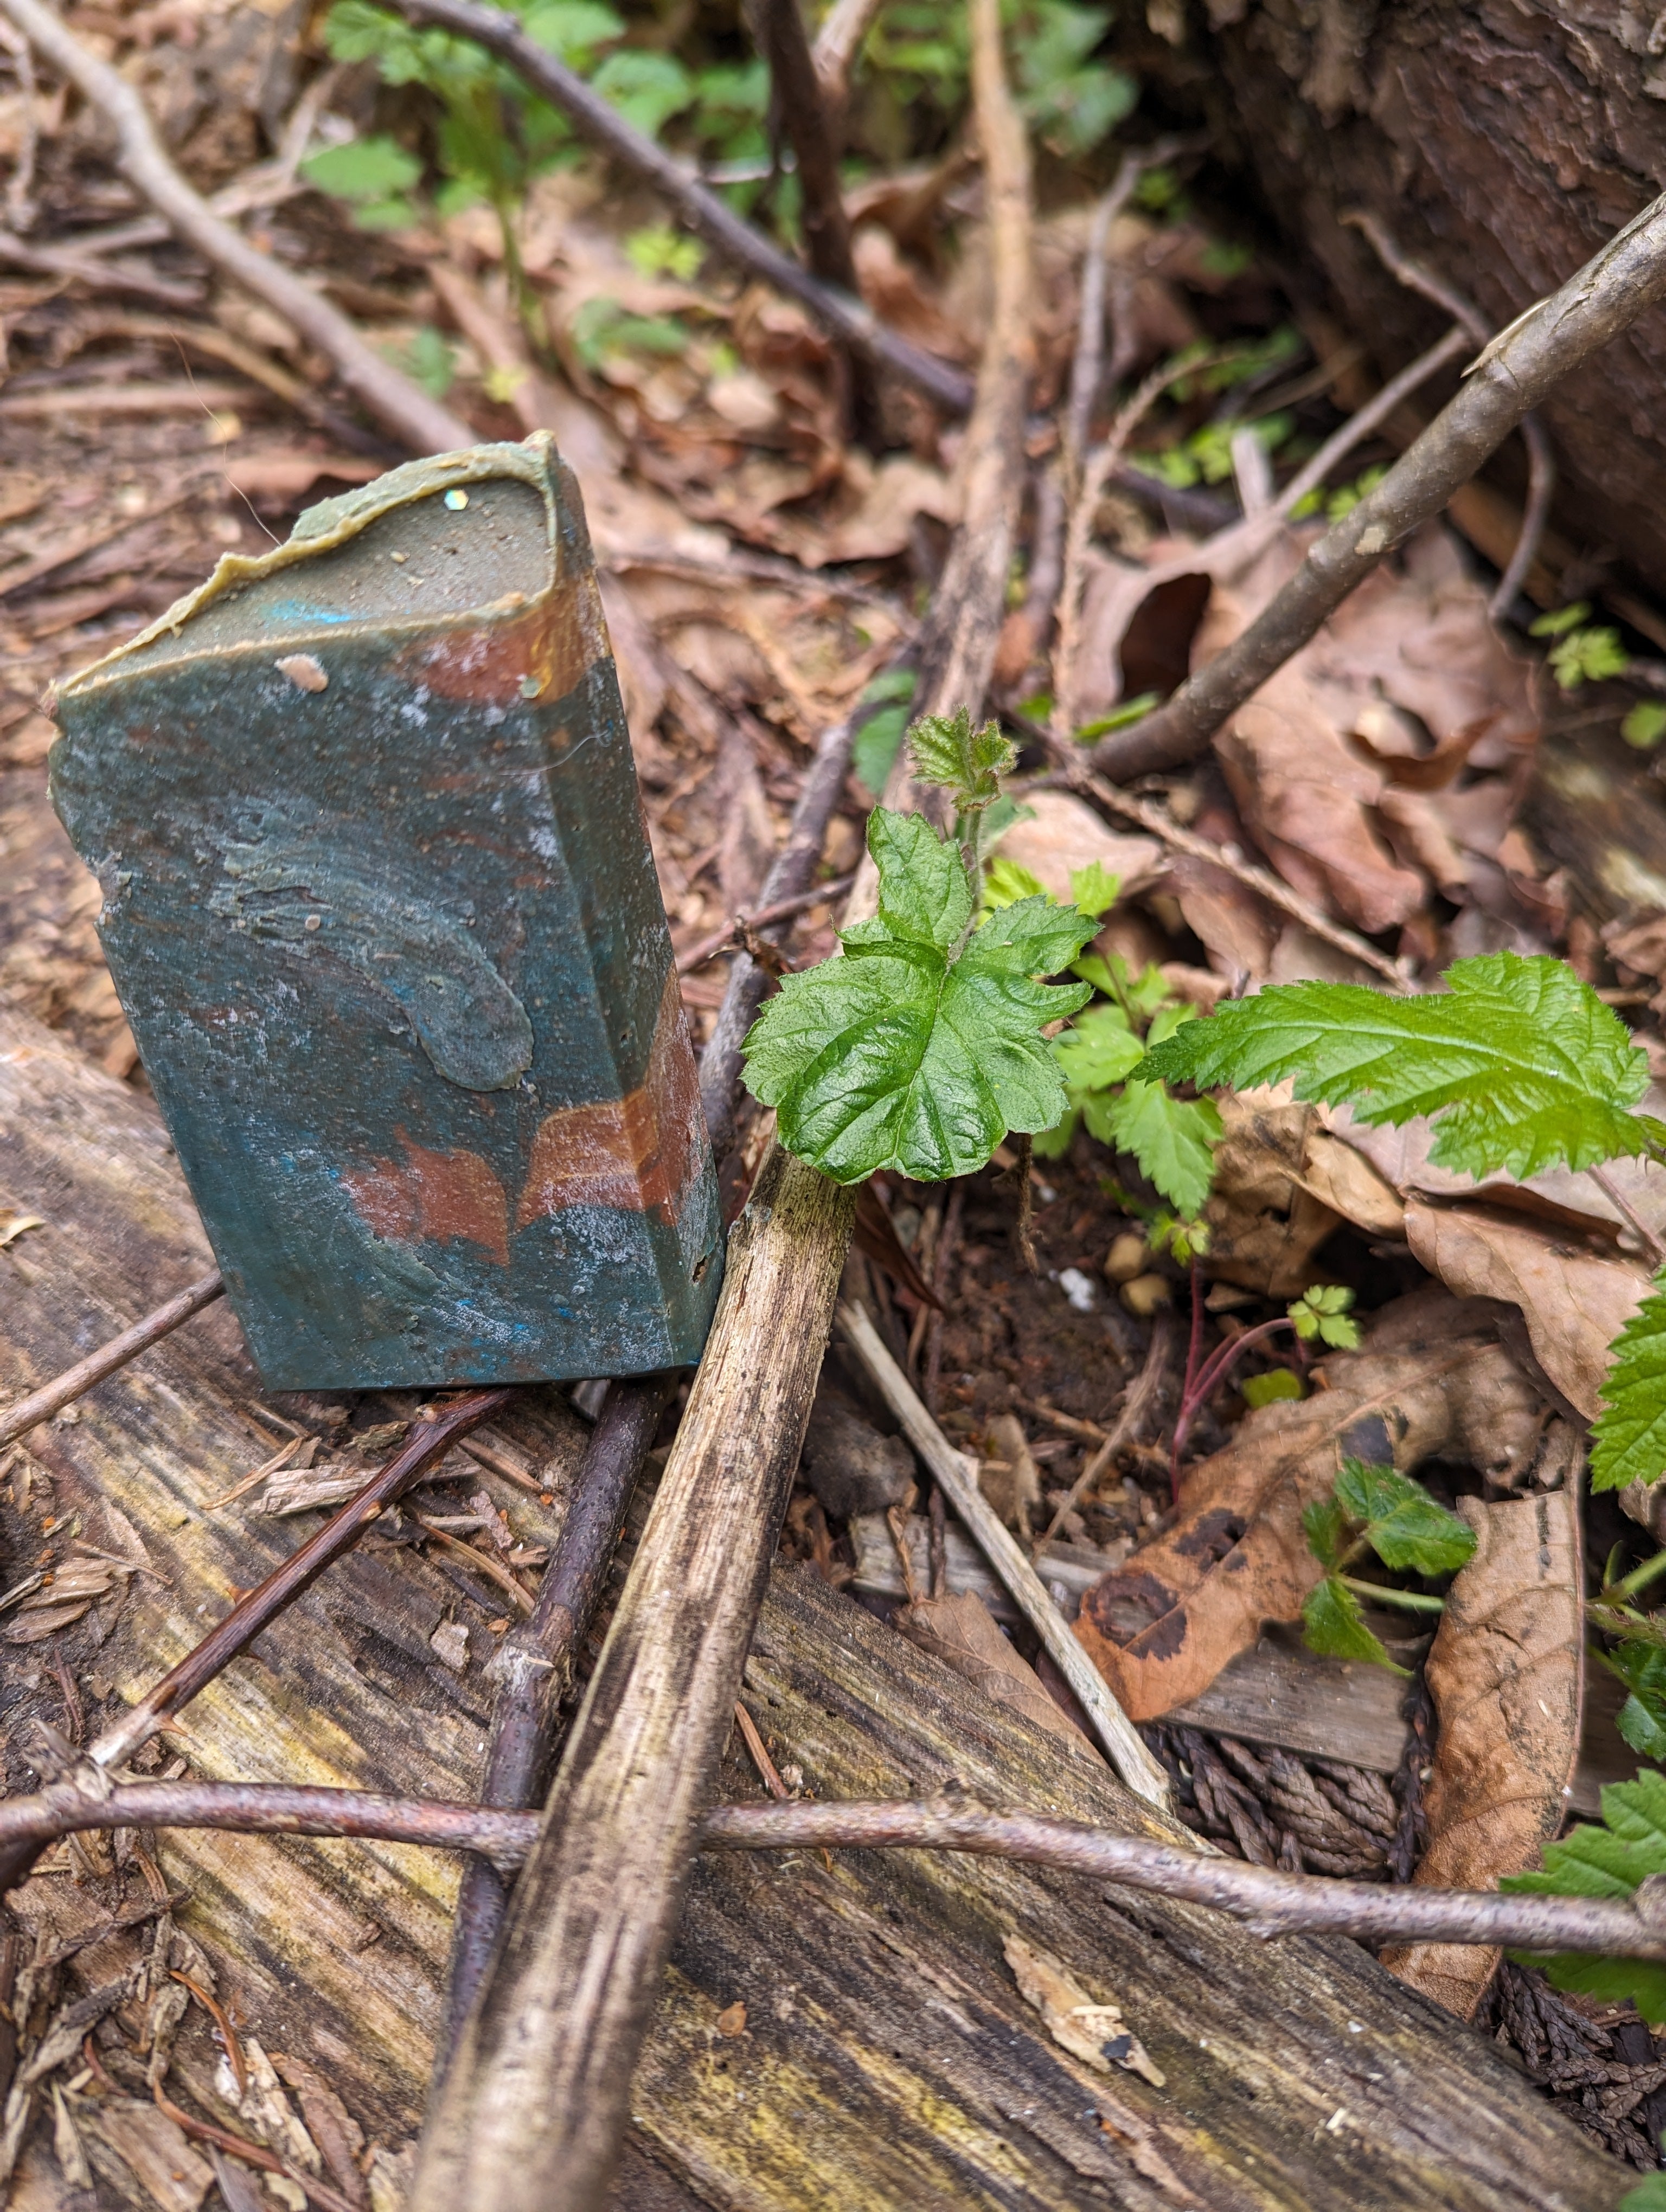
(532, 2111)
(888, 2062)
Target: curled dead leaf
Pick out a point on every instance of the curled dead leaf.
(1507, 1672)
(1066, 835)
(1428, 1385)
(1283, 1183)
(962, 1633)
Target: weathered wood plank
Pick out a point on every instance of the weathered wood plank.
(887, 2061)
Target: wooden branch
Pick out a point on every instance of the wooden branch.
(1375, 412)
(400, 405)
(1541, 458)
(538, 2092)
(958, 1476)
(535, 1662)
(1271, 1904)
(17, 1420)
(1510, 377)
(700, 207)
(838, 42)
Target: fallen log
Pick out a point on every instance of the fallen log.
(886, 2059)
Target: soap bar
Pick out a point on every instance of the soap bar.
(380, 906)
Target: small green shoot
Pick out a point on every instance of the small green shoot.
(1120, 718)
(1272, 1388)
(659, 250)
(1379, 1510)
(879, 739)
(1580, 654)
(948, 753)
(374, 176)
(1645, 724)
(1322, 1312)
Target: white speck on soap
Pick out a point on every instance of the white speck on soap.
(303, 671)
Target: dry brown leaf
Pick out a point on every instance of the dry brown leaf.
(1066, 835)
(964, 1634)
(1574, 1300)
(1094, 2032)
(1428, 1385)
(1283, 1182)
(1507, 1676)
(1008, 1476)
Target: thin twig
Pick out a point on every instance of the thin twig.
(958, 1474)
(400, 405)
(1376, 411)
(534, 1665)
(1511, 376)
(722, 941)
(1271, 1904)
(1136, 1408)
(838, 42)
(768, 1772)
(254, 2154)
(1255, 878)
(98, 277)
(712, 218)
(1541, 458)
(1628, 1213)
(17, 1420)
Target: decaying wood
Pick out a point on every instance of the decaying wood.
(887, 2060)
(397, 402)
(1510, 377)
(38, 1406)
(538, 2092)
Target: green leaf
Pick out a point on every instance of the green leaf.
(1267, 1390)
(948, 752)
(1558, 623)
(1118, 718)
(1646, 726)
(1522, 1065)
(1331, 1625)
(647, 89)
(1326, 1527)
(900, 1055)
(363, 169)
(1607, 1862)
(1649, 2196)
(1173, 1140)
(1006, 881)
(1094, 888)
(1322, 1311)
(1097, 1050)
(1145, 992)
(1628, 1440)
(1588, 656)
(1403, 1525)
(1642, 1719)
(576, 30)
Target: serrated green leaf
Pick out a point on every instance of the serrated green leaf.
(1607, 1862)
(1325, 1525)
(1322, 1311)
(1628, 1438)
(1097, 1050)
(1332, 1627)
(1520, 1062)
(647, 88)
(1006, 881)
(946, 750)
(899, 1054)
(1173, 1140)
(1642, 1718)
(1403, 1525)
(1094, 888)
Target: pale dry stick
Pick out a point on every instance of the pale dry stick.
(532, 2109)
(838, 42)
(98, 277)
(1258, 879)
(1142, 1396)
(1511, 376)
(1270, 1904)
(17, 1419)
(704, 212)
(20, 208)
(400, 405)
(1078, 531)
(1540, 459)
(956, 1475)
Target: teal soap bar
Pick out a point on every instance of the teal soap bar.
(380, 906)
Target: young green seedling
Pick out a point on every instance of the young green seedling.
(1374, 1508)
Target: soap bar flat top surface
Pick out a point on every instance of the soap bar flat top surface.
(381, 908)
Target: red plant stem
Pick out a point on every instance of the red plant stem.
(1271, 1904)
(1199, 1391)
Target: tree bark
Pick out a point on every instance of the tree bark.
(1501, 143)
